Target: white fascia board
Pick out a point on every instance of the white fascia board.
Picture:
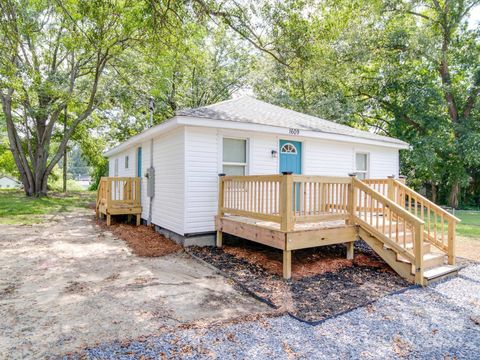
(143, 136)
(269, 129)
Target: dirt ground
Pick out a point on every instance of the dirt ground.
(468, 248)
(68, 284)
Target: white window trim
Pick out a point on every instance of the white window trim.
(115, 167)
(247, 154)
(366, 172)
(126, 161)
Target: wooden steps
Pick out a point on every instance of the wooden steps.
(440, 273)
(434, 267)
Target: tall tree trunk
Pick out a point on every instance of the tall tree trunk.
(65, 153)
(454, 193)
(434, 193)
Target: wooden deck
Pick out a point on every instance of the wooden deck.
(291, 212)
(118, 196)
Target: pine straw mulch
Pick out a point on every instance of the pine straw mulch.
(324, 283)
(143, 240)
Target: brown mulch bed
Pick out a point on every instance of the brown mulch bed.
(323, 283)
(143, 240)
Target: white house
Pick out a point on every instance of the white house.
(236, 137)
(8, 182)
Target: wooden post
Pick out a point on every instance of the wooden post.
(391, 188)
(351, 199)
(418, 252)
(286, 202)
(220, 213)
(137, 191)
(451, 241)
(109, 200)
(138, 219)
(287, 264)
(350, 246)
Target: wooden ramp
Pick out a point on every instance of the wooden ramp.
(289, 212)
(118, 196)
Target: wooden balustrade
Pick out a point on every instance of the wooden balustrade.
(439, 224)
(118, 195)
(379, 185)
(317, 198)
(285, 199)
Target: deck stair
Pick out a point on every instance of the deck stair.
(392, 234)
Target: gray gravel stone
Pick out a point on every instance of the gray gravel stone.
(430, 323)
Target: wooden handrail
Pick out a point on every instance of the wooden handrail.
(388, 203)
(426, 201)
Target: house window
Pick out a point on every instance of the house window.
(116, 168)
(234, 156)
(288, 148)
(361, 165)
(126, 162)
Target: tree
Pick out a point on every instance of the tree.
(53, 54)
(407, 69)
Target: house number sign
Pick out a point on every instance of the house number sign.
(293, 131)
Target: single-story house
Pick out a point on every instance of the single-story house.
(8, 182)
(243, 136)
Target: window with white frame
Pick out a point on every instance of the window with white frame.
(234, 156)
(126, 162)
(115, 171)
(361, 165)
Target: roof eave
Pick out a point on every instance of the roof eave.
(236, 125)
(145, 135)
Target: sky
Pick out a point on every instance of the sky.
(474, 20)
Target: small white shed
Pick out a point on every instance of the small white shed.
(8, 182)
(243, 136)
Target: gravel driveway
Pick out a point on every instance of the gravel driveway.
(66, 284)
(438, 322)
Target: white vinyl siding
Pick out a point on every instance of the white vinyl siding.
(202, 155)
(168, 161)
(118, 163)
(188, 160)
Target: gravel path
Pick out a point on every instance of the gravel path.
(439, 322)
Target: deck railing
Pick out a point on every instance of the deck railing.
(439, 226)
(401, 218)
(285, 199)
(395, 226)
(118, 191)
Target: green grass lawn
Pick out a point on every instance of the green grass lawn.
(16, 208)
(470, 225)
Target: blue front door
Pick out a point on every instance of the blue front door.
(291, 161)
(139, 162)
(291, 156)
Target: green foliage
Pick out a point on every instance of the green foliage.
(407, 69)
(16, 209)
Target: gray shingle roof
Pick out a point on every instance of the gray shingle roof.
(250, 110)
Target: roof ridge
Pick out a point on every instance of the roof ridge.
(228, 101)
